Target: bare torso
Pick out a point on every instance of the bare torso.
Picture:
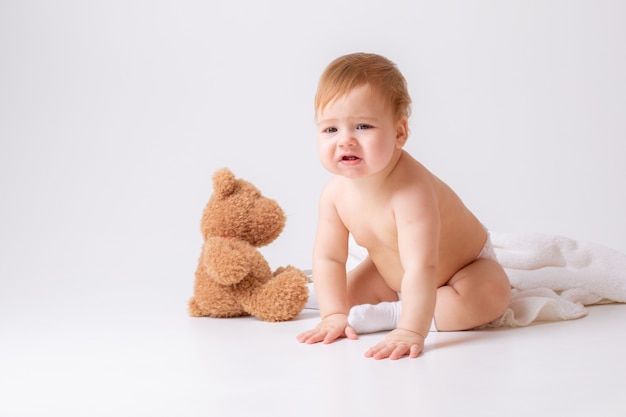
(370, 220)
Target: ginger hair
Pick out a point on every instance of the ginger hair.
(355, 70)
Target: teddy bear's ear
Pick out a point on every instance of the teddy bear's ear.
(224, 182)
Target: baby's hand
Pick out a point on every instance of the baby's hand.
(329, 329)
(397, 344)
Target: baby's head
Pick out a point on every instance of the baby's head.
(354, 70)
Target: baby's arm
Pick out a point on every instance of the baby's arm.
(417, 225)
(329, 276)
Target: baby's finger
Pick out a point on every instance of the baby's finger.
(310, 336)
(351, 333)
(303, 336)
(331, 335)
(384, 353)
(398, 352)
(379, 351)
(370, 352)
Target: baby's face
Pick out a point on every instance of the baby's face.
(358, 135)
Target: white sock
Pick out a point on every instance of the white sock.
(371, 318)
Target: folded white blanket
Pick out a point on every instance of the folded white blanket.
(554, 277)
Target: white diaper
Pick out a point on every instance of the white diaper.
(487, 251)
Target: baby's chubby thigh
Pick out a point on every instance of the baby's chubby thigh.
(477, 294)
(365, 285)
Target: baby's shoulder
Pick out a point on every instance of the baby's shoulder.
(332, 191)
(413, 177)
(333, 185)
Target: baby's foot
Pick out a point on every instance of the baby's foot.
(371, 318)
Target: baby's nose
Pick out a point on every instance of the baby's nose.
(347, 139)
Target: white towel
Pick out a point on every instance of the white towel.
(554, 277)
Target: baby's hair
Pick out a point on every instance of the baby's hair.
(354, 70)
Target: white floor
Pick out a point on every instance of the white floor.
(163, 363)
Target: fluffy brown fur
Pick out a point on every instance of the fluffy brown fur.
(233, 278)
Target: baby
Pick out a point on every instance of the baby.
(424, 246)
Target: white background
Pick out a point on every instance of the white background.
(115, 114)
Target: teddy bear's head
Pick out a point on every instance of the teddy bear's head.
(237, 209)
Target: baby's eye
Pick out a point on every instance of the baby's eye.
(330, 130)
(363, 126)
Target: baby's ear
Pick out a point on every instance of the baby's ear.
(402, 132)
(224, 183)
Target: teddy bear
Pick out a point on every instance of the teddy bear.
(233, 278)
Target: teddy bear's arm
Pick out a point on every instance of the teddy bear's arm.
(225, 261)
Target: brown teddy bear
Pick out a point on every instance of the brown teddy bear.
(233, 278)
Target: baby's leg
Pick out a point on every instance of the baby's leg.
(475, 295)
(374, 306)
(367, 286)
(371, 318)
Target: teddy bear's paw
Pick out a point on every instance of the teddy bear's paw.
(218, 307)
(292, 270)
(194, 310)
(282, 269)
(282, 298)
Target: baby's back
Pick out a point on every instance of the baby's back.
(461, 237)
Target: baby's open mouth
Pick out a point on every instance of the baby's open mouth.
(349, 158)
